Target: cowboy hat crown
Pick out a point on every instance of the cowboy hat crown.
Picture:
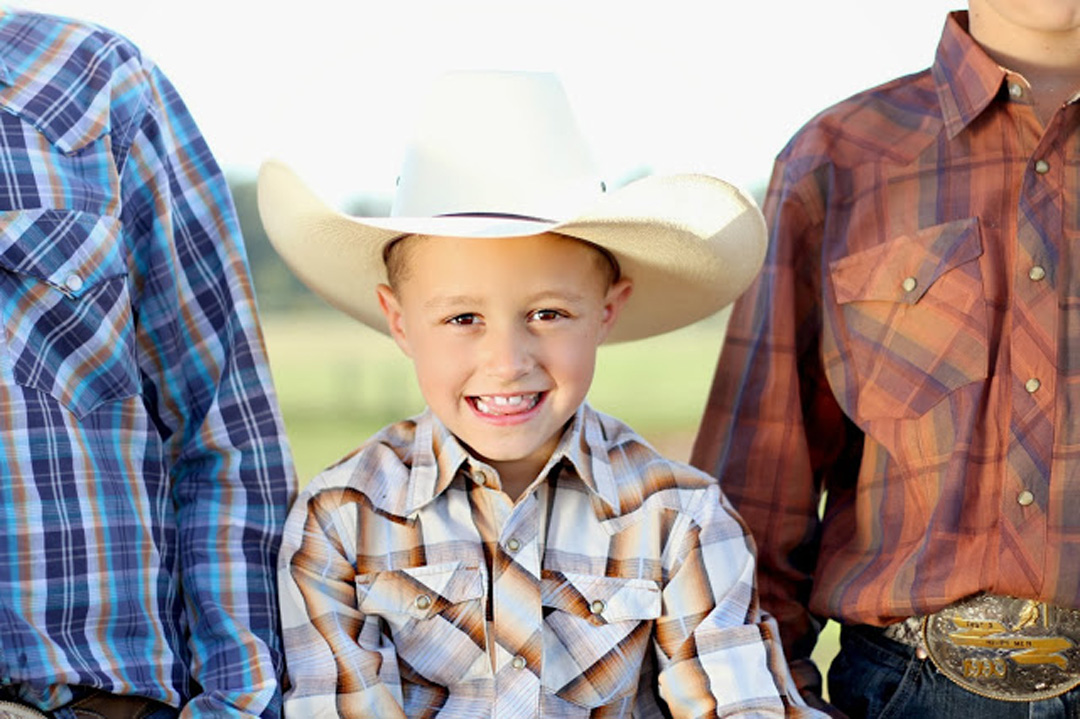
(499, 154)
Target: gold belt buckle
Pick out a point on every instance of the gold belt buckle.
(1006, 648)
(12, 710)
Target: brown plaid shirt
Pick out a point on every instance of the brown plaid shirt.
(621, 581)
(912, 346)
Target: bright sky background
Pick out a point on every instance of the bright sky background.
(329, 86)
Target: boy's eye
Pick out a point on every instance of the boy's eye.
(463, 320)
(546, 315)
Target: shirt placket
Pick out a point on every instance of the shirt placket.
(516, 610)
(1033, 356)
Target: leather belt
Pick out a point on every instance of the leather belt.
(93, 704)
(1000, 647)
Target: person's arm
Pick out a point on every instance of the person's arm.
(208, 389)
(340, 664)
(719, 655)
(772, 430)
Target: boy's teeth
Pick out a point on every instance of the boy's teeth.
(503, 404)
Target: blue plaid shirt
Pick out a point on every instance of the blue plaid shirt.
(144, 477)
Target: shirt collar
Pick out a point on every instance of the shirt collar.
(70, 117)
(966, 78)
(438, 457)
(584, 448)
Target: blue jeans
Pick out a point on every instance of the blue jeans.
(876, 678)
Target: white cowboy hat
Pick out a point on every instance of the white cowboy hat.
(498, 154)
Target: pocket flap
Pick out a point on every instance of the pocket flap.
(602, 600)
(420, 592)
(72, 251)
(904, 268)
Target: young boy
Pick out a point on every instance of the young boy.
(511, 552)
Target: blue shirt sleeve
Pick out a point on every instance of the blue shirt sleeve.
(207, 384)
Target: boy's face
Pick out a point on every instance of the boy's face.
(503, 334)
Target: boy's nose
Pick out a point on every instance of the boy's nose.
(508, 354)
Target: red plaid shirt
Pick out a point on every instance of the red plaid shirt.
(912, 348)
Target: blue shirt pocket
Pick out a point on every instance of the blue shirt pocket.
(68, 321)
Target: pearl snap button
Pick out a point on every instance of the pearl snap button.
(518, 662)
(1016, 90)
(1025, 498)
(423, 602)
(74, 283)
(597, 607)
(909, 284)
(1036, 273)
(513, 544)
(1042, 167)
(1032, 385)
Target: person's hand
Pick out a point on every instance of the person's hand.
(815, 701)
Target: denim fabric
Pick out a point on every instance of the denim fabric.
(876, 678)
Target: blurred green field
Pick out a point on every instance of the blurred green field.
(338, 382)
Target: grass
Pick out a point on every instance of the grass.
(338, 382)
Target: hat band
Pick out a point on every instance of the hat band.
(499, 215)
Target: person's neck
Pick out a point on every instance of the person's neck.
(515, 477)
(1049, 61)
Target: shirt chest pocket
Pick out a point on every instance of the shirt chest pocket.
(435, 617)
(596, 633)
(915, 316)
(66, 308)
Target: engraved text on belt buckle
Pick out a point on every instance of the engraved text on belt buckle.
(12, 710)
(1006, 648)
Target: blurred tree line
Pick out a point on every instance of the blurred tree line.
(276, 288)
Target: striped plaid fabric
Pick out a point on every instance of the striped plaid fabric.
(145, 480)
(912, 348)
(619, 583)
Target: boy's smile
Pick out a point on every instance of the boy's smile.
(503, 333)
(513, 406)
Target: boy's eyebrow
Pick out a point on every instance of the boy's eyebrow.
(451, 301)
(560, 294)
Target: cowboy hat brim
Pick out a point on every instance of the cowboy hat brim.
(690, 243)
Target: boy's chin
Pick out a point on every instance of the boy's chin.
(496, 450)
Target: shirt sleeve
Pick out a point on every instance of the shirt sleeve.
(719, 655)
(207, 387)
(772, 430)
(340, 662)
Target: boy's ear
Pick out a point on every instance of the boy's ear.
(391, 309)
(614, 301)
